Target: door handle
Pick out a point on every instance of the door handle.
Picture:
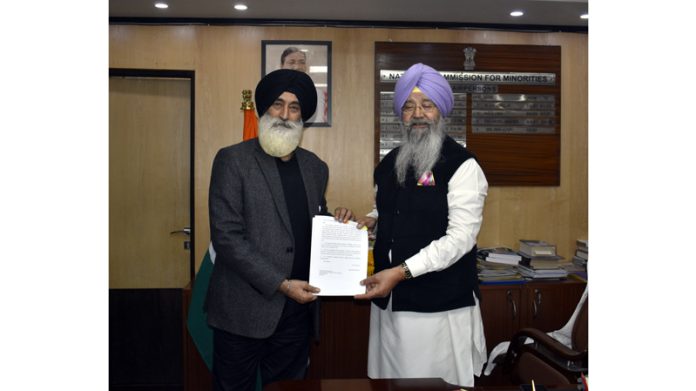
(185, 231)
(511, 301)
(536, 303)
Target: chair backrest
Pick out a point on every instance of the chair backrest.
(530, 367)
(579, 337)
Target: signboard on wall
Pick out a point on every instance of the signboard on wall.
(507, 105)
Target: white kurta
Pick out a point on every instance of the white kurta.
(450, 345)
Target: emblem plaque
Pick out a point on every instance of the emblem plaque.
(469, 54)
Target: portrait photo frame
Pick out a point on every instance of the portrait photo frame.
(311, 57)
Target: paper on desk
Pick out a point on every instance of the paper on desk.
(338, 260)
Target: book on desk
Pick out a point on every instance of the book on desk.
(536, 248)
(499, 254)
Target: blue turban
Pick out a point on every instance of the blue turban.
(287, 80)
(428, 80)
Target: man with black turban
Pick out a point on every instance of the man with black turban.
(263, 195)
(425, 319)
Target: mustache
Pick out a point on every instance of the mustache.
(279, 123)
(414, 122)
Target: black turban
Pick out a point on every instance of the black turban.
(287, 80)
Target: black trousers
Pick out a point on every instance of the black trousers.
(282, 356)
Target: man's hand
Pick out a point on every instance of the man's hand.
(299, 290)
(343, 214)
(380, 284)
(368, 222)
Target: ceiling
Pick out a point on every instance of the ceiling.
(539, 14)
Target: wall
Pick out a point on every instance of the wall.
(227, 59)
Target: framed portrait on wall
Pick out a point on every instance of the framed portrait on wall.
(311, 57)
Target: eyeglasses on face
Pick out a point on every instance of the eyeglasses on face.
(426, 107)
(279, 105)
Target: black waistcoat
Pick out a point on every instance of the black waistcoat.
(410, 218)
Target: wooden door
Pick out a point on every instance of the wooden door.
(149, 197)
(500, 310)
(149, 182)
(549, 305)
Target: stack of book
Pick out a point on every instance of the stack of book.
(489, 272)
(503, 255)
(541, 274)
(496, 264)
(540, 261)
(581, 250)
(540, 254)
(534, 248)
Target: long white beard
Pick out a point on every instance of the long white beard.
(279, 138)
(420, 149)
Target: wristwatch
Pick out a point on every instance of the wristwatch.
(407, 271)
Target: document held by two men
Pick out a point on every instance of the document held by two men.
(338, 260)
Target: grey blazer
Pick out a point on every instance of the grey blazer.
(251, 233)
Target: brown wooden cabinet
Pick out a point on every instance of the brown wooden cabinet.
(501, 311)
(545, 305)
(341, 351)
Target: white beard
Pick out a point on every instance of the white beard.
(279, 138)
(420, 149)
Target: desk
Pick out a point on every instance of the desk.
(433, 384)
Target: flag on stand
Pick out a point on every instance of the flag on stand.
(251, 124)
(197, 323)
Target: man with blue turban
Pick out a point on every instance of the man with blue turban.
(425, 319)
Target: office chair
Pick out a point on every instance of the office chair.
(545, 360)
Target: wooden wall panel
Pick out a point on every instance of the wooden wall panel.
(507, 159)
(227, 59)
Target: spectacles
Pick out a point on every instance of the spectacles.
(426, 107)
(279, 105)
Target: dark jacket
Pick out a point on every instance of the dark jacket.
(251, 233)
(410, 218)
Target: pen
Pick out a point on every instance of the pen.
(533, 388)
